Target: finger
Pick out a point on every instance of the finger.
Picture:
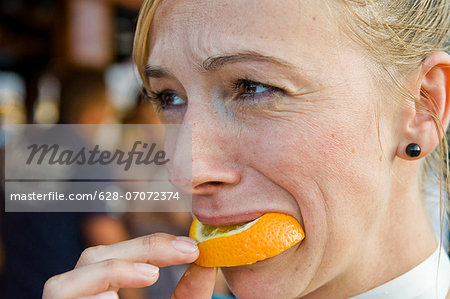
(105, 295)
(109, 275)
(157, 249)
(197, 282)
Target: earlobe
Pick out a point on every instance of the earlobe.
(431, 116)
(411, 151)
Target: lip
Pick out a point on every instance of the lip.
(237, 218)
(223, 220)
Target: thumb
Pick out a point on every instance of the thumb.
(197, 282)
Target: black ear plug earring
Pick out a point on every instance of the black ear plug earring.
(413, 150)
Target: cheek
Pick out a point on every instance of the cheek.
(332, 166)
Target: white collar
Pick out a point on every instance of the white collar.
(423, 281)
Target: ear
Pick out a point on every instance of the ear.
(433, 90)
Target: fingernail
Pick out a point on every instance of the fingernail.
(146, 269)
(107, 295)
(183, 238)
(184, 245)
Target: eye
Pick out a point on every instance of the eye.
(168, 99)
(251, 90)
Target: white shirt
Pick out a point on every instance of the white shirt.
(422, 282)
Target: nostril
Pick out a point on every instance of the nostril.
(209, 177)
(210, 184)
(207, 186)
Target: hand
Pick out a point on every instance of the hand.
(103, 270)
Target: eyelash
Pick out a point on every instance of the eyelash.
(240, 87)
(162, 99)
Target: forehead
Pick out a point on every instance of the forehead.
(200, 29)
(233, 14)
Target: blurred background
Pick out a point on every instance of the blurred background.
(69, 61)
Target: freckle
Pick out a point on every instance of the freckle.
(332, 136)
(381, 158)
(353, 150)
(296, 268)
(314, 18)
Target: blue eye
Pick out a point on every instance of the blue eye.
(247, 89)
(176, 100)
(255, 88)
(166, 100)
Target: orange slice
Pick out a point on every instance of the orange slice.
(244, 244)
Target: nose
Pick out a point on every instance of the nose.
(213, 152)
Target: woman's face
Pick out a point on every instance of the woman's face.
(284, 115)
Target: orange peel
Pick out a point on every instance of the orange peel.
(247, 243)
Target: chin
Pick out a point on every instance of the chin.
(271, 278)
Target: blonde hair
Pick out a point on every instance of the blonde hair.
(141, 38)
(398, 34)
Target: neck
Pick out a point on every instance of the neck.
(403, 238)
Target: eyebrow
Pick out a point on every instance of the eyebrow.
(156, 72)
(215, 63)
